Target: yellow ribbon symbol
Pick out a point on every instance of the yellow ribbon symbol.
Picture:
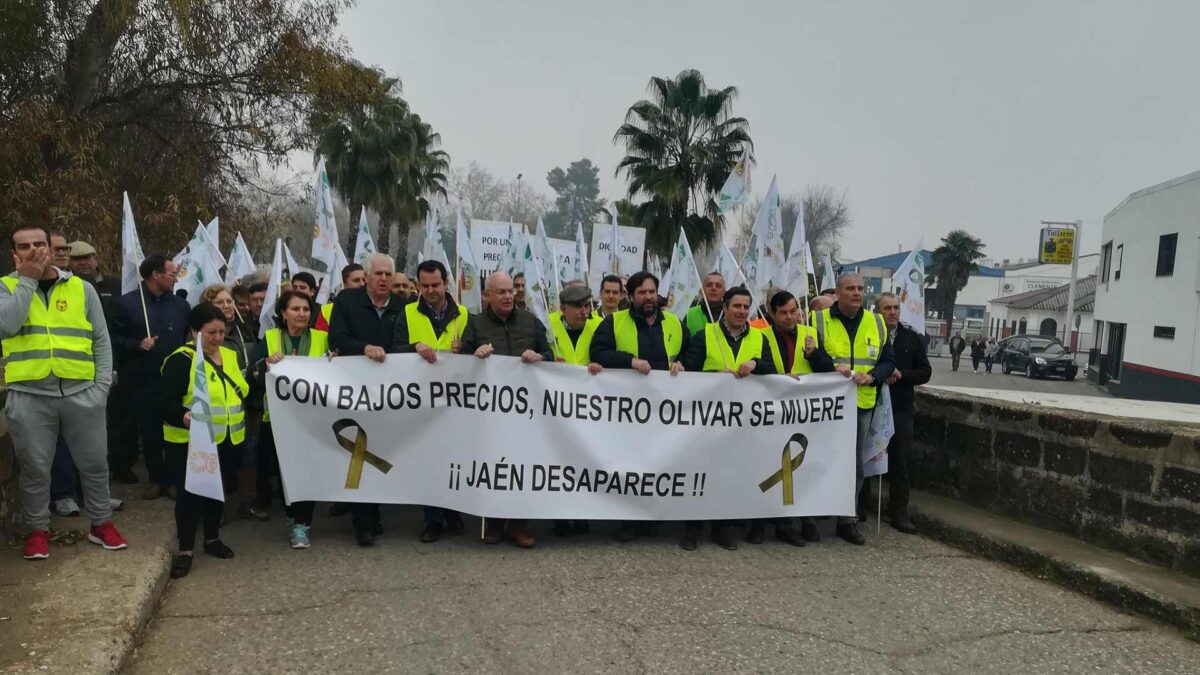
(788, 465)
(358, 452)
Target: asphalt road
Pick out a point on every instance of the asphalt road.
(899, 604)
(966, 377)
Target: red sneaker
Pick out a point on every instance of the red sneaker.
(107, 536)
(37, 545)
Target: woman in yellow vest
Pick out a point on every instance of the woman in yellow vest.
(227, 389)
(294, 338)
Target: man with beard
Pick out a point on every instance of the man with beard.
(642, 338)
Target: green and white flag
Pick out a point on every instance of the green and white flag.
(266, 318)
(581, 254)
(131, 249)
(736, 189)
(203, 475)
(513, 261)
(240, 262)
(197, 269)
(684, 283)
(293, 267)
(325, 244)
(434, 247)
(364, 245)
(469, 294)
(797, 264)
(535, 290)
(764, 260)
(909, 281)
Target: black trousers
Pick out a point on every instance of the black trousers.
(954, 358)
(190, 509)
(122, 427)
(899, 449)
(975, 361)
(149, 426)
(266, 458)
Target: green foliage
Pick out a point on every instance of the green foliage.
(952, 264)
(578, 200)
(680, 146)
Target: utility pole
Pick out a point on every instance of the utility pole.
(517, 210)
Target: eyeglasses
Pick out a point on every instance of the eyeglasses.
(62, 249)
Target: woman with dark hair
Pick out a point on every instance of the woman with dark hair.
(293, 337)
(227, 388)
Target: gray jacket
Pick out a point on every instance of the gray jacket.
(14, 310)
(509, 337)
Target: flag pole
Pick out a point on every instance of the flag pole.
(145, 314)
(879, 506)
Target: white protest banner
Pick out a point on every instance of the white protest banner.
(633, 247)
(489, 242)
(883, 427)
(203, 473)
(501, 438)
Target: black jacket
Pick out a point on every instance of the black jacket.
(109, 290)
(650, 344)
(168, 316)
(912, 362)
(509, 337)
(356, 323)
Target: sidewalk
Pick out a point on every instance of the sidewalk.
(1130, 585)
(82, 610)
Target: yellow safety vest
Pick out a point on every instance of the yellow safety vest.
(579, 353)
(318, 345)
(862, 355)
(800, 365)
(719, 355)
(228, 411)
(55, 338)
(626, 335)
(420, 328)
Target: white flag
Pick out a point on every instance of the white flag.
(808, 262)
(434, 248)
(203, 462)
(874, 450)
(909, 281)
(764, 260)
(828, 279)
(736, 189)
(469, 295)
(545, 254)
(325, 244)
(214, 230)
(797, 267)
(726, 265)
(266, 318)
(614, 249)
(214, 245)
(340, 263)
(513, 261)
(581, 254)
(364, 245)
(131, 250)
(293, 267)
(685, 278)
(197, 269)
(240, 262)
(535, 291)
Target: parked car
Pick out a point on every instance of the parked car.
(1004, 344)
(1038, 356)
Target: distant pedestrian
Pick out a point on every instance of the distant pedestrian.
(989, 355)
(977, 351)
(957, 345)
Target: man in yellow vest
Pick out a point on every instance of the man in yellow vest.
(432, 324)
(642, 338)
(856, 340)
(58, 368)
(610, 297)
(728, 346)
(708, 310)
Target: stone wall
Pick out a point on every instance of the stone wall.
(1129, 485)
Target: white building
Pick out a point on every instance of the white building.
(1043, 311)
(1147, 318)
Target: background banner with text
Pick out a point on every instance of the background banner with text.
(501, 438)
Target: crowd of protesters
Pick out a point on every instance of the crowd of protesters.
(76, 347)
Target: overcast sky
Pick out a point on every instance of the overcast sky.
(931, 115)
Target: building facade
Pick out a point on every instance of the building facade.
(1147, 318)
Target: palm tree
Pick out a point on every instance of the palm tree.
(680, 147)
(381, 155)
(952, 265)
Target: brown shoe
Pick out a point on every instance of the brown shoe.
(154, 491)
(521, 537)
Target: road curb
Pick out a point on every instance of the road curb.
(1127, 584)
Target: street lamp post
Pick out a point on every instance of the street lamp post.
(517, 211)
(1078, 225)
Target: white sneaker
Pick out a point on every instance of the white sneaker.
(64, 507)
(115, 504)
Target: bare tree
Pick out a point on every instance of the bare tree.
(826, 217)
(479, 192)
(522, 204)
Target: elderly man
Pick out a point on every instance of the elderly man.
(148, 325)
(434, 323)
(83, 265)
(362, 324)
(59, 368)
(504, 329)
(857, 341)
(708, 310)
(912, 370)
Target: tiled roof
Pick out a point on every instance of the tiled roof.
(1055, 298)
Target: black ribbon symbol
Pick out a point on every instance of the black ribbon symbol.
(788, 465)
(358, 452)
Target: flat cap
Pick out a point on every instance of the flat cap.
(80, 249)
(575, 295)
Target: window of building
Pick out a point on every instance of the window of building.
(1117, 262)
(1105, 262)
(1165, 332)
(1166, 255)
